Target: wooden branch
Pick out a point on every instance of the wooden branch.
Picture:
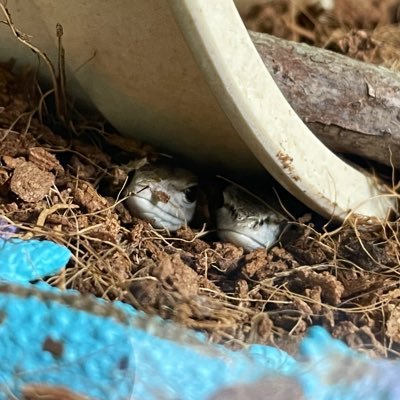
(352, 106)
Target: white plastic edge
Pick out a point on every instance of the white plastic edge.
(264, 119)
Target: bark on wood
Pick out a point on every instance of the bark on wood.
(352, 106)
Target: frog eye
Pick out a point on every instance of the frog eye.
(190, 194)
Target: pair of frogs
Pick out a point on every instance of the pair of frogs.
(167, 196)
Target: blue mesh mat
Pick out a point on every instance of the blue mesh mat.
(111, 351)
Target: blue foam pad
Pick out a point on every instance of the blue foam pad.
(27, 260)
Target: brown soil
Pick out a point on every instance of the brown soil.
(65, 185)
(367, 30)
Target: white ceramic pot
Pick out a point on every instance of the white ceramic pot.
(184, 75)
